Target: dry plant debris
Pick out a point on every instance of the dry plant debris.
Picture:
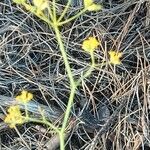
(111, 109)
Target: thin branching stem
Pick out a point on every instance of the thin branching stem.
(73, 17)
(64, 11)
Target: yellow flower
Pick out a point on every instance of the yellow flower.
(115, 57)
(24, 97)
(40, 4)
(91, 6)
(14, 116)
(90, 44)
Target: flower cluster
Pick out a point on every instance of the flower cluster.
(90, 44)
(14, 115)
(38, 5)
(115, 57)
(91, 6)
(24, 97)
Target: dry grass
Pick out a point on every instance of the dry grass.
(30, 59)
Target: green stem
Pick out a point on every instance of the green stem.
(45, 122)
(50, 13)
(86, 74)
(54, 11)
(64, 55)
(62, 141)
(89, 71)
(69, 105)
(72, 86)
(66, 117)
(73, 17)
(26, 110)
(92, 58)
(64, 11)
